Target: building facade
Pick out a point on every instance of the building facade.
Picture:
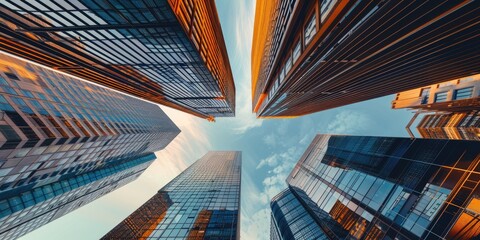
(449, 109)
(457, 95)
(355, 187)
(203, 202)
(461, 125)
(65, 142)
(309, 56)
(170, 52)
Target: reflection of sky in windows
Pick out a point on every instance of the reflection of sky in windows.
(157, 47)
(405, 185)
(204, 202)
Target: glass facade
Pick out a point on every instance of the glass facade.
(170, 51)
(65, 142)
(386, 188)
(203, 202)
(375, 52)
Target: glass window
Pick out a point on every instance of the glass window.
(310, 29)
(463, 93)
(297, 50)
(326, 7)
(424, 95)
(441, 97)
(288, 64)
(282, 75)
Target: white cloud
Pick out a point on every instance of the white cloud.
(258, 226)
(275, 159)
(269, 161)
(256, 219)
(348, 121)
(270, 140)
(245, 120)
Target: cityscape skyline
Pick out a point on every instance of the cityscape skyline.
(101, 154)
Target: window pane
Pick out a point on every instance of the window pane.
(441, 97)
(296, 51)
(310, 29)
(463, 93)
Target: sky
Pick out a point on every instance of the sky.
(270, 148)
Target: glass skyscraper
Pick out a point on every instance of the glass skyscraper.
(203, 202)
(355, 187)
(171, 52)
(65, 142)
(309, 56)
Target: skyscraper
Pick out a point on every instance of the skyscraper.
(309, 56)
(65, 142)
(203, 202)
(449, 109)
(381, 188)
(170, 52)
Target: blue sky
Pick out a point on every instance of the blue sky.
(270, 148)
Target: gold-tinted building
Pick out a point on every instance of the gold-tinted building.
(449, 109)
(462, 125)
(309, 56)
(170, 52)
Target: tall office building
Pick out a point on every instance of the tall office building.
(354, 187)
(65, 142)
(170, 52)
(308, 56)
(448, 109)
(203, 202)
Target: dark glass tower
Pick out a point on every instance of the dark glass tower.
(65, 142)
(309, 56)
(170, 52)
(203, 202)
(381, 188)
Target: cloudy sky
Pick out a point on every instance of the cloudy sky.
(270, 148)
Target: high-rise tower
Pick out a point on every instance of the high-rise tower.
(309, 56)
(170, 52)
(203, 202)
(354, 187)
(65, 142)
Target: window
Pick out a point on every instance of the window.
(282, 75)
(310, 29)
(424, 95)
(326, 7)
(441, 97)
(296, 51)
(463, 93)
(11, 76)
(288, 65)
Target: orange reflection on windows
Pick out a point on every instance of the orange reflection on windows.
(468, 224)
